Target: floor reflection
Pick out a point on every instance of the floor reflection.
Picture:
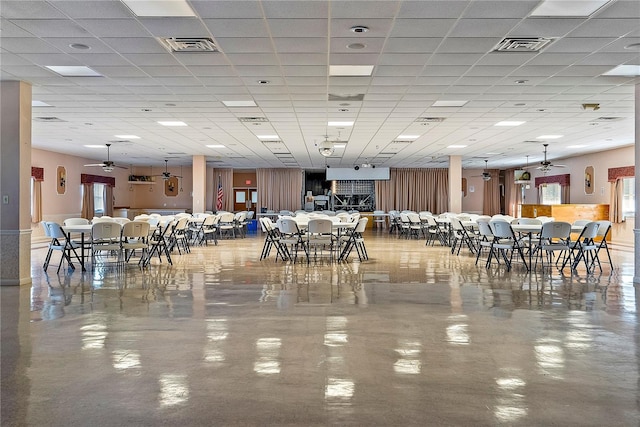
(228, 339)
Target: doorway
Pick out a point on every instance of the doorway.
(245, 199)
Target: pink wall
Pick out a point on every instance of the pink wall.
(472, 202)
(56, 206)
(601, 162)
(145, 196)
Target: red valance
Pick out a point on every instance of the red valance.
(37, 173)
(85, 178)
(563, 180)
(623, 172)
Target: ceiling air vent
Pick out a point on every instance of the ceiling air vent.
(522, 44)
(253, 119)
(429, 119)
(48, 119)
(188, 44)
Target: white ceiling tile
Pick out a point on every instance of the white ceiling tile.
(128, 28)
(433, 9)
(234, 45)
(227, 9)
(175, 27)
(93, 9)
(411, 45)
(237, 27)
(288, 46)
(483, 27)
(467, 45)
(545, 27)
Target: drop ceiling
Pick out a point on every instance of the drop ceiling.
(273, 57)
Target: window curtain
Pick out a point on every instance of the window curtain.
(512, 193)
(226, 176)
(615, 207)
(564, 194)
(108, 200)
(491, 198)
(414, 189)
(37, 201)
(88, 210)
(615, 176)
(279, 189)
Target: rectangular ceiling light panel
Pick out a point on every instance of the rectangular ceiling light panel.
(73, 71)
(445, 103)
(624, 70)
(246, 103)
(568, 8)
(159, 7)
(350, 70)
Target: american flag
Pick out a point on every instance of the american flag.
(220, 194)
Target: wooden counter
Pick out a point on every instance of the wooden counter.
(568, 212)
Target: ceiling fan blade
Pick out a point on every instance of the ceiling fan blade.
(95, 164)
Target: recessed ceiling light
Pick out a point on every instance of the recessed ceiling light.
(564, 8)
(549, 136)
(449, 103)
(268, 137)
(340, 124)
(127, 136)
(521, 82)
(172, 123)
(576, 146)
(456, 146)
(350, 70)
(39, 104)
(247, 103)
(79, 46)
(509, 123)
(263, 82)
(94, 146)
(356, 46)
(408, 137)
(359, 29)
(73, 71)
(624, 70)
(215, 146)
(159, 8)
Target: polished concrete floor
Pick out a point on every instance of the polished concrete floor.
(414, 336)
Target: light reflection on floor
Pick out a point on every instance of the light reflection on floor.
(414, 334)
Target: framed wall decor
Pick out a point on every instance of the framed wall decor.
(61, 180)
(171, 187)
(588, 180)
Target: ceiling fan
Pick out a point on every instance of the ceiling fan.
(545, 165)
(107, 165)
(166, 174)
(486, 176)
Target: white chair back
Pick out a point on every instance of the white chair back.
(75, 221)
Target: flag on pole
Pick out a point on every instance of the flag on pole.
(220, 194)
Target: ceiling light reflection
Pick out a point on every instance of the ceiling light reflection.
(342, 389)
(268, 360)
(174, 390)
(125, 359)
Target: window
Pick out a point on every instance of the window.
(550, 194)
(628, 197)
(98, 198)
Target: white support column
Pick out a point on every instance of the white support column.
(199, 184)
(455, 184)
(636, 231)
(15, 183)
